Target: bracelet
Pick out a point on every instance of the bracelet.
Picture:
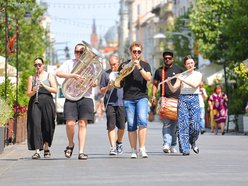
(140, 69)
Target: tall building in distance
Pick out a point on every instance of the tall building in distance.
(94, 39)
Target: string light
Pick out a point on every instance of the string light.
(82, 5)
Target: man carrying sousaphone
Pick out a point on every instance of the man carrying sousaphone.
(81, 111)
(168, 112)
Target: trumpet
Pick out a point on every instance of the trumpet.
(173, 77)
(117, 77)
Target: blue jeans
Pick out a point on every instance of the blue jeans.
(137, 113)
(202, 118)
(169, 132)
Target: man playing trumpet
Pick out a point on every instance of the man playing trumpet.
(136, 99)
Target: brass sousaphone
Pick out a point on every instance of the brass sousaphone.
(89, 67)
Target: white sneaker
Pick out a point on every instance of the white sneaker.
(134, 154)
(143, 153)
(173, 149)
(166, 149)
(113, 151)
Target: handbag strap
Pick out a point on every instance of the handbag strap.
(163, 78)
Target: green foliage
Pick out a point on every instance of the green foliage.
(207, 22)
(5, 112)
(32, 39)
(10, 92)
(221, 29)
(239, 95)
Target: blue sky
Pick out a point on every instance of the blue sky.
(71, 21)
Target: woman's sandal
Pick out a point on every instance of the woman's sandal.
(36, 156)
(68, 151)
(47, 154)
(82, 156)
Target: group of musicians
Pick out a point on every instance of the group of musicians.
(126, 104)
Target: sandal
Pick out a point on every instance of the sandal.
(36, 156)
(47, 154)
(68, 151)
(82, 156)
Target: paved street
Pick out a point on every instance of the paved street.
(223, 160)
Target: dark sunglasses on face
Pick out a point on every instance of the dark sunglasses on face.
(136, 51)
(167, 58)
(79, 52)
(37, 64)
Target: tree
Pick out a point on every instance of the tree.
(221, 28)
(207, 21)
(31, 38)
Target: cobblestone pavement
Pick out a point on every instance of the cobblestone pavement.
(223, 160)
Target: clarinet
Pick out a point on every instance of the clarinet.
(37, 84)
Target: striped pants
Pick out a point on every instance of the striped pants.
(188, 121)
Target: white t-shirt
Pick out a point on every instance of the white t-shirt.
(201, 97)
(67, 67)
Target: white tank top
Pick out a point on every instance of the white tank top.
(190, 76)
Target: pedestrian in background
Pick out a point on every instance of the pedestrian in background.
(188, 106)
(136, 99)
(41, 110)
(115, 111)
(80, 111)
(218, 104)
(169, 126)
(202, 97)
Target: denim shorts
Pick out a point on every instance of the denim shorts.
(137, 113)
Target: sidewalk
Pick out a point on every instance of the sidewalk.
(223, 160)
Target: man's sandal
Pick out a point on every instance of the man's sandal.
(68, 151)
(47, 154)
(82, 156)
(36, 156)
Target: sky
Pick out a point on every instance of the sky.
(71, 20)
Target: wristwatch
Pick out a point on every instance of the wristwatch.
(140, 69)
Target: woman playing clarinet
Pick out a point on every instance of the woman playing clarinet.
(41, 110)
(188, 106)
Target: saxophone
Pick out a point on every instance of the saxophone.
(89, 67)
(125, 71)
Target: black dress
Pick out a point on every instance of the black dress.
(40, 119)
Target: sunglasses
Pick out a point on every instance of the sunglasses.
(79, 52)
(167, 58)
(136, 51)
(38, 64)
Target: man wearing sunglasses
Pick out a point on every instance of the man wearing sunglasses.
(81, 111)
(136, 99)
(169, 69)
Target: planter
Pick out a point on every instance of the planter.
(243, 123)
(2, 140)
(21, 129)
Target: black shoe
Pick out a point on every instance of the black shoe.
(203, 131)
(186, 154)
(195, 149)
(223, 133)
